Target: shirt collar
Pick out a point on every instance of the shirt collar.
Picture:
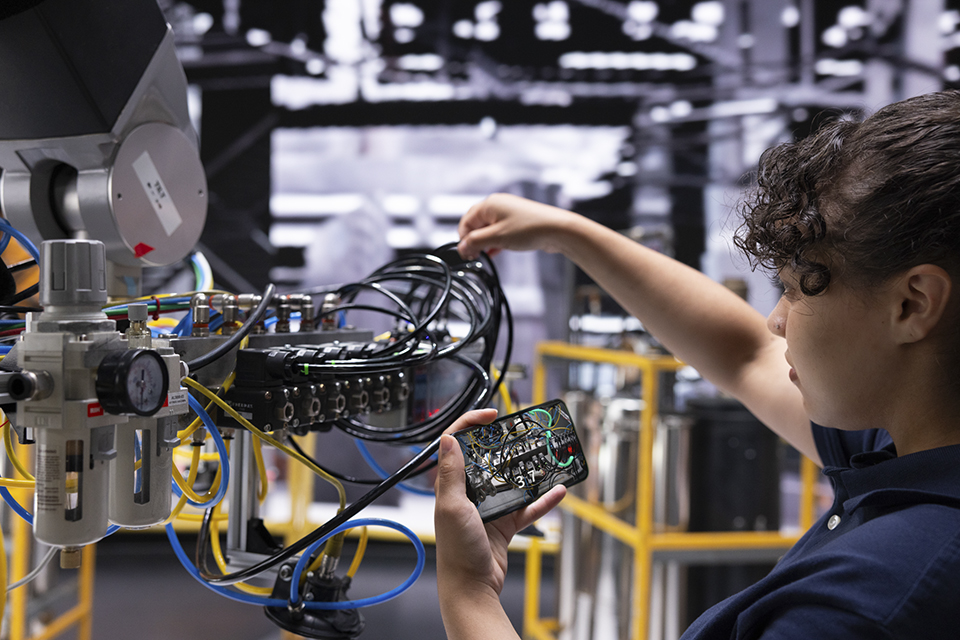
(881, 478)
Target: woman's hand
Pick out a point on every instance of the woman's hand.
(472, 556)
(504, 221)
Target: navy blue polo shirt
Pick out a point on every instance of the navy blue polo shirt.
(884, 562)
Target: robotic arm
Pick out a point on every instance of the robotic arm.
(95, 136)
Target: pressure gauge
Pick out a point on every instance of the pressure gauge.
(134, 381)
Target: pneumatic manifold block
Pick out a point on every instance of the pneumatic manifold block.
(299, 387)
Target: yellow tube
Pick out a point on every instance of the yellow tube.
(18, 484)
(206, 456)
(334, 544)
(191, 477)
(198, 517)
(358, 556)
(11, 453)
(269, 439)
(186, 433)
(222, 561)
(3, 576)
(188, 490)
(261, 470)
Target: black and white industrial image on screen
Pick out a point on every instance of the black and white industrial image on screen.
(518, 458)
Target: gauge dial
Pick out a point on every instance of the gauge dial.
(134, 381)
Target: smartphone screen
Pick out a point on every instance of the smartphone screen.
(517, 458)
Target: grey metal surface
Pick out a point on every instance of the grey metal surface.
(80, 202)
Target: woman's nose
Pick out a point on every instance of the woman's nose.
(777, 320)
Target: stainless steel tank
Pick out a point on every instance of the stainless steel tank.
(595, 570)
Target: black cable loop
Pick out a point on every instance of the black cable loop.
(479, 292)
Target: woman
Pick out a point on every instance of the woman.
(861, 223)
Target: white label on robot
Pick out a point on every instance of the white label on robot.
(157, 193)
(48, 492)
(176, 398)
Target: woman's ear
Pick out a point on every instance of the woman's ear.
(923, 294)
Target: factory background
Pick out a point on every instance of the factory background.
(339, 134)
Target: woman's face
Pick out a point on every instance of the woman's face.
(836, 351)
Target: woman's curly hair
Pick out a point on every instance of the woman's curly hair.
(861, 201)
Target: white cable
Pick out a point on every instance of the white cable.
(206, 271)
(44, 561)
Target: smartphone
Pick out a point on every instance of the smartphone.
(517, 458)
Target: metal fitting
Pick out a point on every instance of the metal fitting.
(200, 312)
(71, 557)
(230, 313)
(30, 385)
(283, 315)
(328, 320)
(307, 315)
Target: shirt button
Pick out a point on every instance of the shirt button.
(833, 522)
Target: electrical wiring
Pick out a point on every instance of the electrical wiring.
(276, 602)
(493, 450)
(36, 571)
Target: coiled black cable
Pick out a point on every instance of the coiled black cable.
(428, 290)
(435, 291)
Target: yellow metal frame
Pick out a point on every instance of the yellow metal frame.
(79, 616)
(642, 538)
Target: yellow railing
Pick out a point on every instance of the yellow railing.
(642, 537)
